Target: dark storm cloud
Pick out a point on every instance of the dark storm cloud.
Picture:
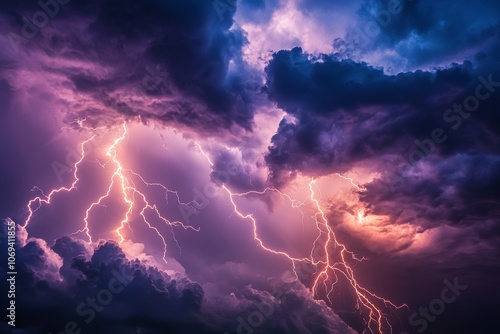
(296, 80)
(177, 51)
(348, 114)
(287, 309)
(461, 190)
(143, 296)
(67, 283)
(425, 31)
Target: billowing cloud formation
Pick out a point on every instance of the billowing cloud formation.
(102, 292)
(162, 60)
(412, 129)
(346, 112)
(414, 34)
(460, 197)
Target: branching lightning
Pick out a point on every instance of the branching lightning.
(120, 180)
(331, 262)
(331, 259)
(47, 199)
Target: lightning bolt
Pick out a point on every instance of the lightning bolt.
(331, 265)
(121, 179)
(351, 181)
(47, 199)
(336, 259)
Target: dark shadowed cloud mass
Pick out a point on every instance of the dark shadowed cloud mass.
(103, 292)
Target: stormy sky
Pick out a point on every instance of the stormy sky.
(250, 166)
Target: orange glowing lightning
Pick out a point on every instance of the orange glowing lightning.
(326, 267)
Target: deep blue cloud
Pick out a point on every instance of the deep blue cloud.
(346, 112)
(426, 32)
